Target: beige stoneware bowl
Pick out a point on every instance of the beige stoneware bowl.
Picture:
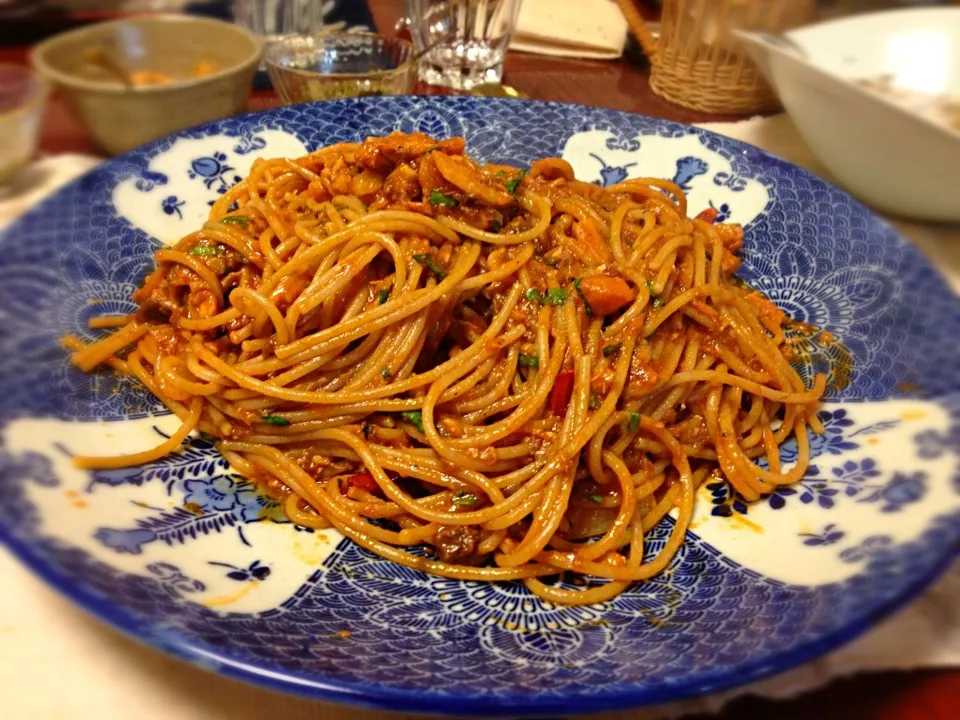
(208, 67)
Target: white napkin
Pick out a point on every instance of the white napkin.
(97, 673)
(594, 29)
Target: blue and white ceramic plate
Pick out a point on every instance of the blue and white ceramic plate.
(195, 561)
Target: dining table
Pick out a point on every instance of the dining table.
(622, 84)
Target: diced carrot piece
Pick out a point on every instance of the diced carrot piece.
(605, 295)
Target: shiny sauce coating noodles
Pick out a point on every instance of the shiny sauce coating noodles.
(520, 371)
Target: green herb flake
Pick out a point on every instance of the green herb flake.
(501, 173)
(465, 499)
(207, 437)
(555, 296)
(532, 361)
(385, 374)
(598, 499)
(576, 285)
(206, 250)
(428, 261)
(496, 225)
(634, 423)
(512, 185)
(594, 401)
(611, 349)
(366, 429)
(438, 198)
(655, 300)
(414, 417)
(275, 420)
(551, 262)
(382, 296)
(241, 220)
(534, 295)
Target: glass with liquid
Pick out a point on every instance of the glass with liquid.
(463, 41)
(306, 68)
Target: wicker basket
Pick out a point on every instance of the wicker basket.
(697, 61)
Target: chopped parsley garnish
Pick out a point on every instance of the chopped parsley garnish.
(634, 423)
(534, 295)
(501, 173)
(594, 401)
(438, 198)
(555, 296)
(436, 269)
(512, 185)
(465, 499)
(414, 417)
(528, 361)
(596, 498)
(275, 420)
(611, 349)
(240, 220)
(551, 262)
(382, 296)
(655, 300)
(576, 284)
(206, 250)
(385, 374)
(496, 225)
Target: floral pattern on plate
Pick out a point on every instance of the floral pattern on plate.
(185, 558)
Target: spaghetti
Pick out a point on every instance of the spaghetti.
(519, 371)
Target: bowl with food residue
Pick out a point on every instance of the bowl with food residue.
(877, 98)
(134, 80)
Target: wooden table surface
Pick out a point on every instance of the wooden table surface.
(623, 85)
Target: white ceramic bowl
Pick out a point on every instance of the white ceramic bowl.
(885, 151)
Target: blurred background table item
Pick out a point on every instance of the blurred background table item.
(136, 79)
(555, 73)
(462, 44)
(276, 19)
(22, 94)
(329, 66)
(697, 62)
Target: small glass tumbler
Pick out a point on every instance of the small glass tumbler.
(22, 95)
(463, 41)
(275, 19)
(306, 68)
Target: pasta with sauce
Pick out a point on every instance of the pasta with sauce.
(521, 372)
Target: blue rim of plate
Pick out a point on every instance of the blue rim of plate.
(518, 703)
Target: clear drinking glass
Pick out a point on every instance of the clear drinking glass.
(327, 66)
(464, 40)
(275, 19)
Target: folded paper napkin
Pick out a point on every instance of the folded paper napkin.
(593, 29)
(102, 675)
